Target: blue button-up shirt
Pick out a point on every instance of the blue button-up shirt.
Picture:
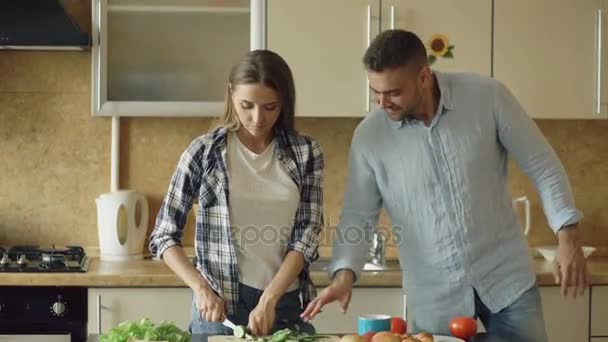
(445, 189)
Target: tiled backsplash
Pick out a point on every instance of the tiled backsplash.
(56, 157)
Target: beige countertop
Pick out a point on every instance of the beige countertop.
(152, 273)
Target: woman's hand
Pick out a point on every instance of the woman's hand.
(261, 319)
(210, 305)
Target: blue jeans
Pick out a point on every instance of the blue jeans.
(521, 321)
(288, 311)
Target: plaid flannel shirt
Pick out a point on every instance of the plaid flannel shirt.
(202, 175)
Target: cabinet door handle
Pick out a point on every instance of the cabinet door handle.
(259, 22)
(369, 24)
(369, 41)
(98, 57)
(404, 307)
(99, 314)
(99, 22)
(392, 17)
(598, 101)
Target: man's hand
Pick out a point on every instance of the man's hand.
(341, 289)
(570, 265)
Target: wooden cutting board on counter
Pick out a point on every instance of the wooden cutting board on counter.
(220, 338)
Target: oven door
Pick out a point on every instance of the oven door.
(35, 338)
(32, 314)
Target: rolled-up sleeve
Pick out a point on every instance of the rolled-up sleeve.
(360, 212)
(182, 192)
(521, 137)
(309, 218)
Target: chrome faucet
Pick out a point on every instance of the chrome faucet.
(377, 251)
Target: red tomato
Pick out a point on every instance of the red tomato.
(398, 325)
(463, 327)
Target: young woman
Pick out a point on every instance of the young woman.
(259, 188)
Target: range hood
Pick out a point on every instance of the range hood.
(39, 25)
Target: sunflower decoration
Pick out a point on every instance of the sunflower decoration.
(439, 46)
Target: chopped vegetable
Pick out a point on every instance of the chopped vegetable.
(239, 331)
(283, 335)
(145, 330)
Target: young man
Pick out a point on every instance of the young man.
(435, 156)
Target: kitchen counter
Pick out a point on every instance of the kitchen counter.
(480, 337)
(152, 273)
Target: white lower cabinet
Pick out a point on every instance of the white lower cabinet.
(566, 319)
(122, 304)
(599, 313)
(173, 304)
(388, 301)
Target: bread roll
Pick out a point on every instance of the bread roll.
(425, 337)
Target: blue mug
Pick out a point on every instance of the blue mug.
(375, 323)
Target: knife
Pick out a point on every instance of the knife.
(239, 331)
(229, 324)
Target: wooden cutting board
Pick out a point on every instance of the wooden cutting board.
(234, 339)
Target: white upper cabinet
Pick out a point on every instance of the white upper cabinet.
(323, 42)
(552, 55)
(169, 57)
(173, 57)
(460, 31)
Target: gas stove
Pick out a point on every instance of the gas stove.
(36, 259)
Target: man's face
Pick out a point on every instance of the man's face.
(397, 90)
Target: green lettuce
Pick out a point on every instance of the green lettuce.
(145, 330)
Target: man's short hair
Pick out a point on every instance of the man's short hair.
(394, 48)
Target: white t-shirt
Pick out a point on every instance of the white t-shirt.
(263, 201)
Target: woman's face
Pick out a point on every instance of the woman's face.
(257, 107)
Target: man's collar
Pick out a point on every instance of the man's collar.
(445, 99)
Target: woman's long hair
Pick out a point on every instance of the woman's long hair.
(269, 69)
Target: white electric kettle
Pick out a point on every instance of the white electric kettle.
(122, 221)
(526, 202)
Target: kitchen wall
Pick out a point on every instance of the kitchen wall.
(55, 156)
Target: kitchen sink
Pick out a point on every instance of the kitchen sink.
(391, 265)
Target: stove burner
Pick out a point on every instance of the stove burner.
(30, 252)
(22, 260)
(53, 261)
(5, 260)
(37, 259)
